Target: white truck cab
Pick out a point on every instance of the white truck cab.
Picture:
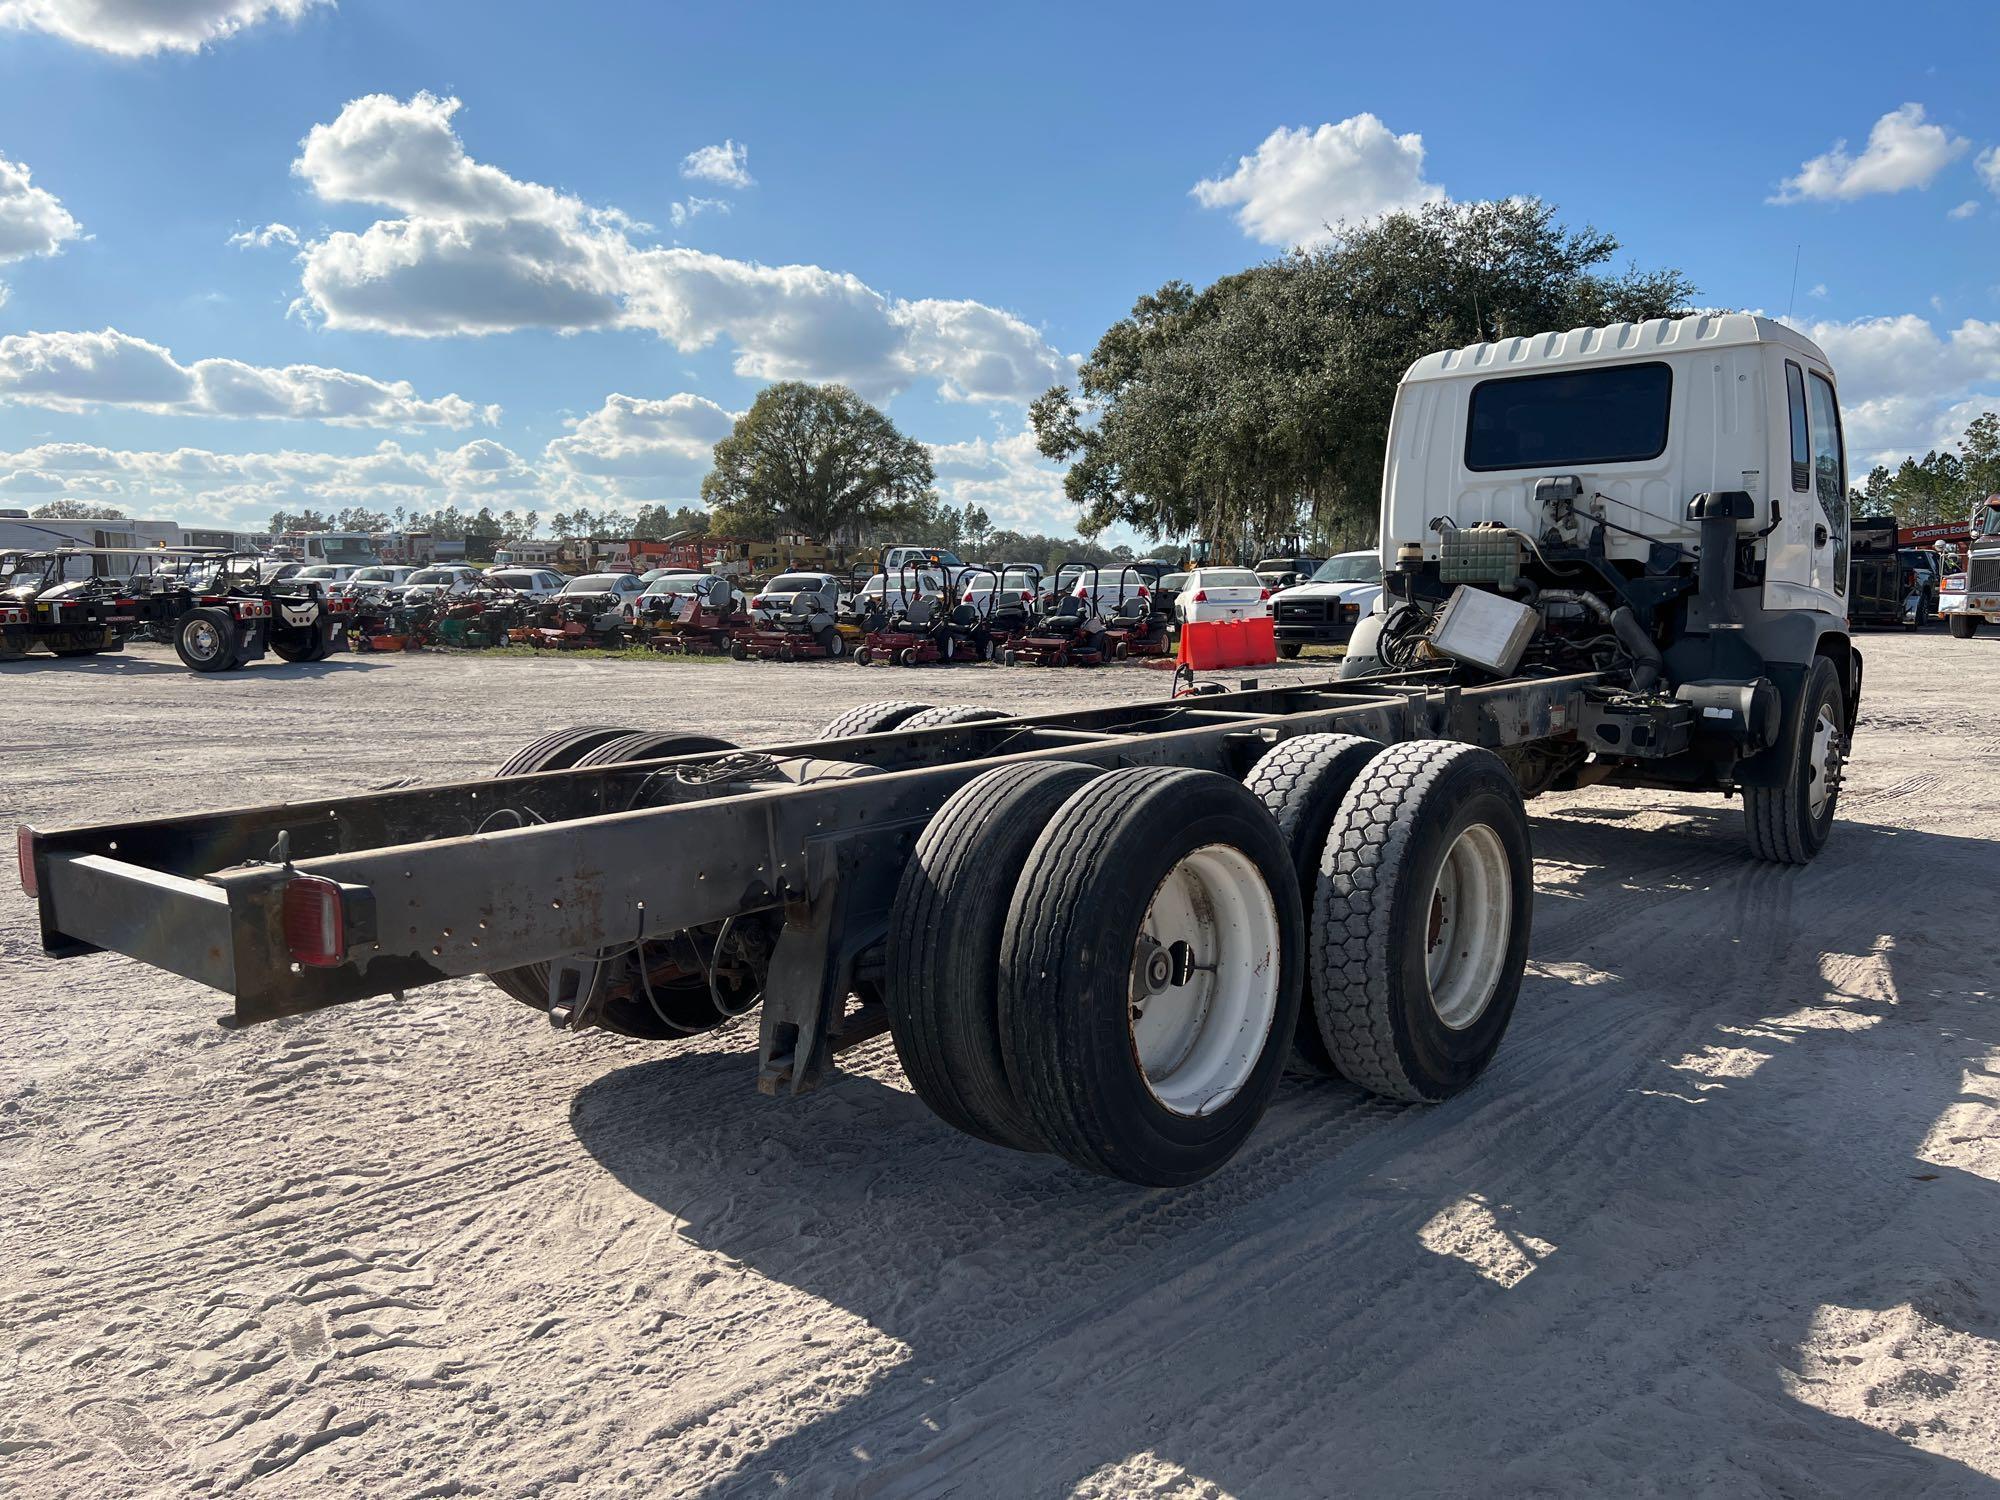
(1644, 416)
(1664, 502)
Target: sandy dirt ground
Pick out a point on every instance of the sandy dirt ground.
(1723, 1217)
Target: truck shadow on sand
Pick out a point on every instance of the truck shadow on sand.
(1698, 1227)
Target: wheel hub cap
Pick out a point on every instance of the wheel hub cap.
(1470, 918)
(1203, 990)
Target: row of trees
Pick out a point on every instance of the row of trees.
(1942, 485)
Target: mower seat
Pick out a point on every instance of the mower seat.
(1066, 617)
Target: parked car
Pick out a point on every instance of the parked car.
(1324, 610)
(532, 583)
(328, 576)
(618, 590)
(873, 593)
(428, 585)
(776, 597)
(1283, 572)
(1212, 594)
(672, 581)
(379, 580)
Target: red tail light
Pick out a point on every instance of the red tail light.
(1262, 595)
(315, 922)
(1142, 591)
(758, 602)
(24, 857)
(1201, 596)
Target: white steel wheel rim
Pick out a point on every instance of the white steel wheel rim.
(1204, 985)
(1821, 762)
(203, 639)
(1467, 920)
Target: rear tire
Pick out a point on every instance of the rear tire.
(1421, 919)
(1127, 1061)
(1302, 781)
(685, 1010)
(205, 640)
(1289, 650)
(950, 713)
(1790, 823)
(318, 649)
(944, 946)
(872, 718)
(1963, 626)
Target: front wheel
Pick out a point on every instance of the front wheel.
(1964, 626)
(1789, 823)
(1289, 650)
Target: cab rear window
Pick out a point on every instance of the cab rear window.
(1569, 418)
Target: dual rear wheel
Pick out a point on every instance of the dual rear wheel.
(1116, 966)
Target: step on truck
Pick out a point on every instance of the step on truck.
(1612, 555)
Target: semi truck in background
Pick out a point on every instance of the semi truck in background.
(1611, 555)
(1970, 596)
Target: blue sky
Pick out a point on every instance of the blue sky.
(557, 289)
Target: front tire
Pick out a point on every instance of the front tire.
(1788, 824)
(1289, 650)
(1963, 626)
(1421, 918)
(1149, 974)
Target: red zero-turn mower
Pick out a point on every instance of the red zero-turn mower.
(805, 631)
(1134, 627)
(907, 630)
(1070, 635)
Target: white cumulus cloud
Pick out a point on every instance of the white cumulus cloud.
(140, 28)
(1008, 478)
(77, 371)
(476, 251)
(1904, 151)
(1904, 387)
(265, 238)
(32, 220)
(1300, 185)
(727, 164)
(1987, 164)
(1964, 210)
(664, 443)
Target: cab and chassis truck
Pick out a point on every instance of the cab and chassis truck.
(1613, 555)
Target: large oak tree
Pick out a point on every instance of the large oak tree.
(1258, 407)
(815, 459)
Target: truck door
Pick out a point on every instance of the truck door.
(1829, 519)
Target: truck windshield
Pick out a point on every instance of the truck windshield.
(1569, 419)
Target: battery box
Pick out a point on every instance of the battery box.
(1484, 629)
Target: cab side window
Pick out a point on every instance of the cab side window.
(1829, 467)
(1795, 399)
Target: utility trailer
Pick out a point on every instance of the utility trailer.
(1106, 933)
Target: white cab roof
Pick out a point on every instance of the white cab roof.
(1620, 341)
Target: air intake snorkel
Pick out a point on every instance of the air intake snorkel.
(1716, 513)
